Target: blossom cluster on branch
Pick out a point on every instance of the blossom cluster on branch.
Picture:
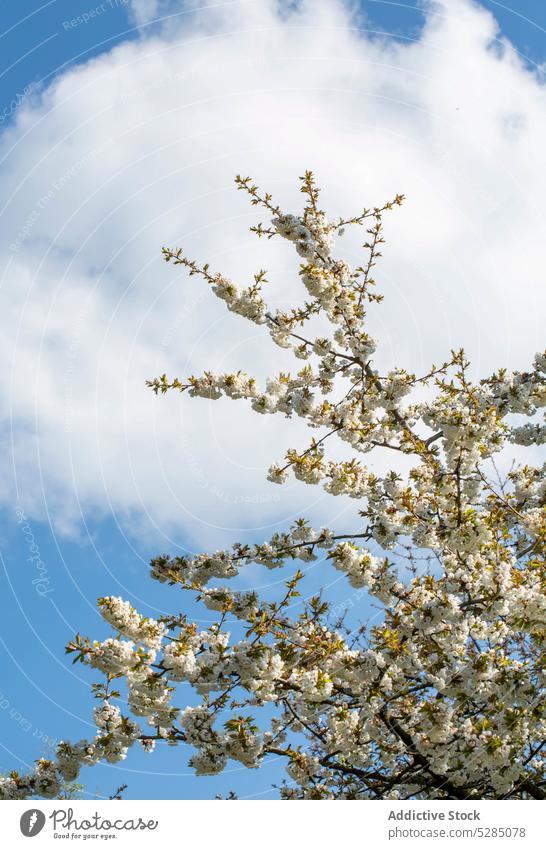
(441, 697)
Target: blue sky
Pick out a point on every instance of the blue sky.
(104, 550)
(38, 39)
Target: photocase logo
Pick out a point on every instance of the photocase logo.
(32, 822)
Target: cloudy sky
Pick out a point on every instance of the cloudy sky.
(122, 125)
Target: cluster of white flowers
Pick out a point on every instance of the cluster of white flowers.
(529, 434)
(245, 302)
(125, 619)
(360, 566)
(179, 659)
(257, 667)
(198, 725)
(242, 605)
(107, 716)
(300, 542)
(312, 235)
(114, 656)
(150, 696)
(115, 735)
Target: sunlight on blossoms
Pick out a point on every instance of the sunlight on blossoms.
(440, 695)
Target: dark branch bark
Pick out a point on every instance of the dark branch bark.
(438, 781)
(532, 790)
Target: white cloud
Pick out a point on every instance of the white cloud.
(148, 11)
(137, 149)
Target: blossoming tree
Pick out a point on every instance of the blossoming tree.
(443, 695)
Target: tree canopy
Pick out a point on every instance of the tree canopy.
(442, 696)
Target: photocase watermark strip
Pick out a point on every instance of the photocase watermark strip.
(41, 580)
(146, 823)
